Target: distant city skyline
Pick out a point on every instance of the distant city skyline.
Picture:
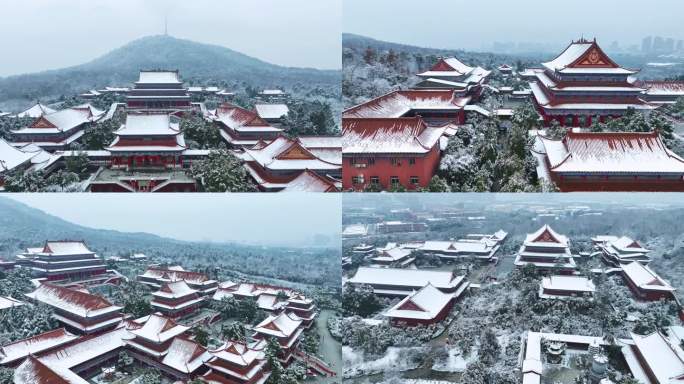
(41, 35)
(528, 22)
(257, 219)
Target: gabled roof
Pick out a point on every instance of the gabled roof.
(66, 247)
(11, 157)
(35, 344)
(449, 66)
(7, 302)
(568, 283)
(627, 244)
(175, 289)
(282, 325)
(158, 328)
(611, 152)
(174, 274)
(424, 304)
(60, 121)
(399, 277)
(36, 110)
(158, 77)
(185, 355)
(309, 181)
(271, 111)
(399, 103)
(664, 359)
(240, 119)
(237, 353)
(546, 236)
(643, 277)
(389, 135)
(584, 56)
(77, 302)
(288, 154)
(33, 371)
(149, 124)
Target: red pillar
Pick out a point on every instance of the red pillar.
(561, 120)
(588, 121)
(602, 119)
(575, 120)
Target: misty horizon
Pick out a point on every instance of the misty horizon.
(231, 218)
(513, 22)
(66, 33)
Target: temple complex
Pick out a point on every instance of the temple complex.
(583, 83)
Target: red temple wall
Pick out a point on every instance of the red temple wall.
(424, 168)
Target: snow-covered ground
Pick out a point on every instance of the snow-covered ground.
(454, 362)
(394, 360)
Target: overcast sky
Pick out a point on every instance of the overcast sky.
(257, 218)
(471, 24)
(47, 34)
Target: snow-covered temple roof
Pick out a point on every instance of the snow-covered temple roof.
(79, 303)
(424, 304)
(664, 359)
(584, 56)
(59, 121)
(675, 88)
(65, 247)
(11, 157)
(568, 283)
(35, 111)
(282, 325)
(389, 135)
(159, 77)
(271, 111)
(7, 302)
(627, 244)
(185, 355)
(174, 290)
(33, 371)
(546, 236)
(158, 328)
(408, 278)
(149, 125)
(399, 103)
(237, 353)
(23, 348)
(614, 152)
(645, 278)
(169, 274)
(287, 154)
(309, 181)
(242, 120)
(449, 66)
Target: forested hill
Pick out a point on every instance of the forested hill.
(197, 62)
(22, 226)
(373, 67)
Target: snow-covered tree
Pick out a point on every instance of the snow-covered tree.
(221, 171)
